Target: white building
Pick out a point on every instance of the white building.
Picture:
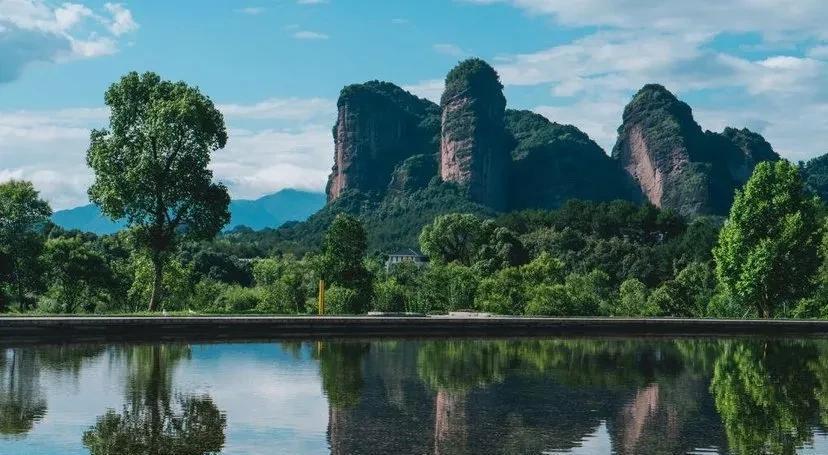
(406, 255)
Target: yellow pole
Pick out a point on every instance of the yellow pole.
(321, 297)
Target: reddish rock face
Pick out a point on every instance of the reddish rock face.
(361, 138)
(378, 126)
(678, 166)
(473, 149)
(646, 168)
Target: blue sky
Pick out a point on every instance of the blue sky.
(275, 67)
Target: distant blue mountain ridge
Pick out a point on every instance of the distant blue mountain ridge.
(269, 211)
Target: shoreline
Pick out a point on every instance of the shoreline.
(70, 329)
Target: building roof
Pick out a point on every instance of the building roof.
(407, 252)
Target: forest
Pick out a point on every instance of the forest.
(767, 258)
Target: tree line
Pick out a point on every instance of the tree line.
(767, 259)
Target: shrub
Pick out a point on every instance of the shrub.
(633, 301)
(238, 299)
(390, 296)
(340, 300)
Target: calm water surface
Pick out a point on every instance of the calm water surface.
(579, 396)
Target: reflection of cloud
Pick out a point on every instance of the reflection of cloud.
(269, 400)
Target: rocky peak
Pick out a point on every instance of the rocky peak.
(378, 126)
(473, 149)
(675, 164)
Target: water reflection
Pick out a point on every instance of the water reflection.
(153, 420)
(740, 396)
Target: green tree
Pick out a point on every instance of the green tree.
(343, 252)
(283, 284)
(633, 301)
(77, 274)
(176, 284)
(22, 217)
(390, 295)
(767, 249)
(151, 165)
(453, 237)
(446, 287)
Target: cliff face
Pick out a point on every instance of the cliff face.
(675, 163)
(553, 163)
(391, 145)
(473, 149)
(378, 126)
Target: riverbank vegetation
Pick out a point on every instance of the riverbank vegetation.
(612, 259)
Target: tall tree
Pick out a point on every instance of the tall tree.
(22, 217)
(768, 248)
(453, 237)
(343, 251)
(151, 165)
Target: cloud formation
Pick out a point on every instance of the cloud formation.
(778, 87)
(49, 148)
(34, 30)
(309, 35)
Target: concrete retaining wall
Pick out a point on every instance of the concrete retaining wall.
(76, 329)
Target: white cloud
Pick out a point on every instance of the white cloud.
(251, 10)
(301, 109)
(399, 21)
(449, 49)
(311, 2)
(261, 162)
(293, 150)
(774, 19)
(431, 89)
(33, 30)
(122, 21)
(309, 35)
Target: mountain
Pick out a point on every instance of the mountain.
(676, 164)
(400, 160)
(87, 218)
(275, 209)
(271, 211)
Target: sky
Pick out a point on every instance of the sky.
(275, 68)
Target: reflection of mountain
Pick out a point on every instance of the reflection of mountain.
(154, 420)
(487, 397)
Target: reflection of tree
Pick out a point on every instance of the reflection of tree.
(21, 401)
(194, 427)
(340, 365)
(764, 392)
(152, 421)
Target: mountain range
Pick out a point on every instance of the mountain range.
(270, 211)
(400, 160)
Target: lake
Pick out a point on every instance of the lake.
(453, 396)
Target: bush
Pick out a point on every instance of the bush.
(390, 296)
(340, 300)
(238, 299)
(205, 296)
(633, 301)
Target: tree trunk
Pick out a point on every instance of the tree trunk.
(157, 282)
